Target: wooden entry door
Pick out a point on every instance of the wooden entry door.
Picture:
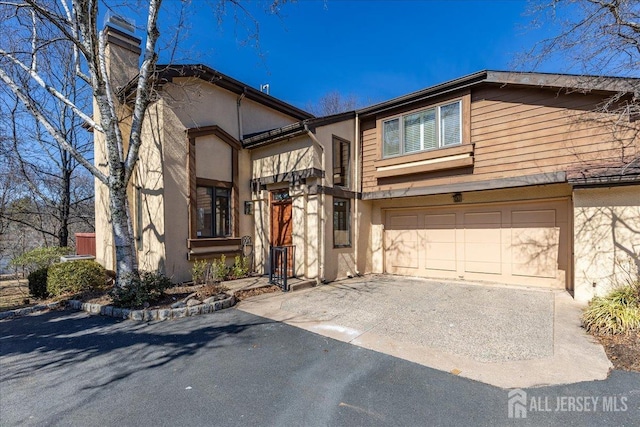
(282, 224)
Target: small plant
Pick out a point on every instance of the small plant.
(219, 268)
(74, 277)
(240, 267)
(140, 289)
(199, 272)
(38, 283)
(39, 258)
(616, 313)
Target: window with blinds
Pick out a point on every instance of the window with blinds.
(425, 130)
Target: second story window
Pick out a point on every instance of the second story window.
(341, 167)
(429, 129)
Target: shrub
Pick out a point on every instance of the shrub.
(140, 289)
(240, 267)
(219, 269)
(616, 313)
(199, 272)
(74, 277)
(38, 283)
(39, 258)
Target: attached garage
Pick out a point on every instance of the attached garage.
(524, 243)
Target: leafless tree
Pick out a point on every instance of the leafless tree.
(333, 102)
(31, 31)
(594, 38)
(60, 193)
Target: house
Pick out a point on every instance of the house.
(496, 176)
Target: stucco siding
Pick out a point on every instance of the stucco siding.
(606, 238)
(148, 194)
(176, 190)
(257, 118)
(297, 154)
(197, 104)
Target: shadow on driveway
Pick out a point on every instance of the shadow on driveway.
(58, 340)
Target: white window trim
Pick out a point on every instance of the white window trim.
(438, 130)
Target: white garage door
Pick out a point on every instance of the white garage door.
(524, 243)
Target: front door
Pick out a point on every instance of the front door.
(281, 225)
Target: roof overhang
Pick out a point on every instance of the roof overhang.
(569, 82)
(166, 73)
(294, 130)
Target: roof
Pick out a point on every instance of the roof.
(605, 174)
(581, 83)
(295, 129)
(167, 72)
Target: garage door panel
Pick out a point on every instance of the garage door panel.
(402, 222)
(482, 219)
(487, 235)
(401, 248)
(532, 217)
(483, 258)
(440, 256)
(534, 251)
(440, 242)
(440, 221)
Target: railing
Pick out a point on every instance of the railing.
(281, 260)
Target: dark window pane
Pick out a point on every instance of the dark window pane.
(222, 213)
(341, 222)
(341, 164)
(204, 212)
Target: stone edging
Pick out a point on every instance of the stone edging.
(144, 315)
(29, 310)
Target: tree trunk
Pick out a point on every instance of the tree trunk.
(65, 208)
(123, 241)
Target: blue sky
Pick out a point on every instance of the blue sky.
(375, 50)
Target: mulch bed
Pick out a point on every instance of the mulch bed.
(623, 350)
(171, 295)
(244, 294)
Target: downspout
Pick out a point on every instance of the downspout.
(321, 199)
(356, 202)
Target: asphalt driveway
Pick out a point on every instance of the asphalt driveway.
(505, 336)
(232, 368)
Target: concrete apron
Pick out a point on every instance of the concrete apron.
(575, 355)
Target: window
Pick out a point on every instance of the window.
(341, 168)
(213, 212)
(436, 127)
(341, 223)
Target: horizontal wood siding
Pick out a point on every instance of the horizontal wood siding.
(517, 132)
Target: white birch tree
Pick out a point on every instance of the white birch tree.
(32, 27)
(29, 32)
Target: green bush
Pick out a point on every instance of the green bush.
(616, 313)
(219, 269)
(38, 283)
(199, 272)
(39, 258)
(74, 277)
(140, 289)
(240, 267)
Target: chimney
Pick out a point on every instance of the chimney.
(122, 50)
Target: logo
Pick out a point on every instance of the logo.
(520, 405)
(517, 403)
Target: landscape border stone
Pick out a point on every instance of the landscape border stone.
(146, 315)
